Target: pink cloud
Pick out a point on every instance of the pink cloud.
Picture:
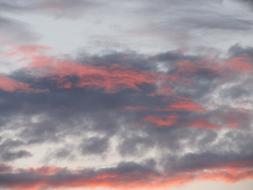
(10, 85)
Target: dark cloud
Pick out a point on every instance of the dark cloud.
(94, 145)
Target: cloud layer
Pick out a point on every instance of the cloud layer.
(158, 95)
(174, 125)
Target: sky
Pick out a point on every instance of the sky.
(120, 95)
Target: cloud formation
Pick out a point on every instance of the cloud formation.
(100, 101)
(158, 95)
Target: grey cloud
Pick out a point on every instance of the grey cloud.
(206, 160)
(57, 8)
(189, 17)
(65, 152)
(212, 151)
(4, 168)
(214, 21)
(247, 2)
(9, 150)
(10, 156)
(238, 50)
(15, 31)
(135, 146)
(94, 145)
(234, 150)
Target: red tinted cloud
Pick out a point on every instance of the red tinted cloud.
(189, 67)
(216, 68)
(186, 105)
(186, 67)
(162, 122)
(109, 78)
(203, 124)
(42, 178)
(163, 91)
(27, 52)
(238, 64)
(10, 85)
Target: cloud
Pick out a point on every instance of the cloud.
(7, 152)
(162, 106)
(69, 74)
(124, 176)
(10, 85)
(94, 145)
(212, 21)
(160, 122)
(203, 124)
(194, 131)
(247, 2)
(186, 106)
(55, 8)
(15, 32)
